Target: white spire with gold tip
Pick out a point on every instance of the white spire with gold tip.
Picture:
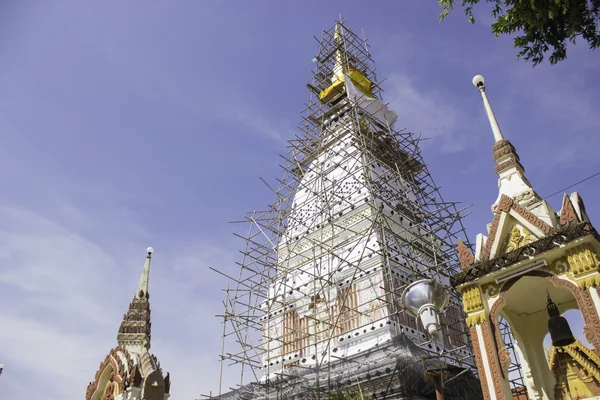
(512, 181)
(145, 278)
(478, 81)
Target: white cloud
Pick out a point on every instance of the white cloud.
(64, 296)
(50, 266)
(426, 111)
(56, 291)
(274, 129)
(562, 108)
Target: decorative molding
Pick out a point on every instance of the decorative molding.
(472, 299)
(558, 239)
(568, 216)
(476, 319)
(473, 305)
(324, 234)
(466, 258)
(492, 235)
(526, 196)
(136, 325)
(479, 362)
(503, 148)
(503, 354)
(589, 282)
(168, 383)
(491, 289)
(118, 369)
(532, 218)
(505, 203)
(495, 368)
(518, 238)
(511, 162)
(558, 267)
(583, 260)
(581, 264)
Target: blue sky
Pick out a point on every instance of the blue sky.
(128, 125)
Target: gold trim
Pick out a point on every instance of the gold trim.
(583, 260)
(577, 351)
(580, 264)
(473, 304)
(476, 319)
(472, 300)
(518, 237)
(589, 282)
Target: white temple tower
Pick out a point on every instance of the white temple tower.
(356, 219)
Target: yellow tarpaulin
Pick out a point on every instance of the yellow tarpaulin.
(361, 82)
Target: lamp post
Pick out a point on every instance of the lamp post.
(425, 299)
(436, 371)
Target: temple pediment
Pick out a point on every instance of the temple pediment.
(513, 226)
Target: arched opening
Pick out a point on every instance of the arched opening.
(524, 308)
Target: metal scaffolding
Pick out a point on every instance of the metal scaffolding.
(515, 372)
(355, 219)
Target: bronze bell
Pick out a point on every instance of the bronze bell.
(560, 332)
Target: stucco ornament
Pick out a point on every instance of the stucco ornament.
(110, 389)
(519, 237)
(473, 305)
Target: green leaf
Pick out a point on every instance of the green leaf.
(543, 26)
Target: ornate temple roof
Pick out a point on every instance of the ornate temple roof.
(129, 371)
(135, 328)
(524, 224)
(557, 238)
(122, 371)
(578, 365)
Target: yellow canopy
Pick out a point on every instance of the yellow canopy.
(361, 82)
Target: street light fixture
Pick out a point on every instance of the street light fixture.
(425, 299)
